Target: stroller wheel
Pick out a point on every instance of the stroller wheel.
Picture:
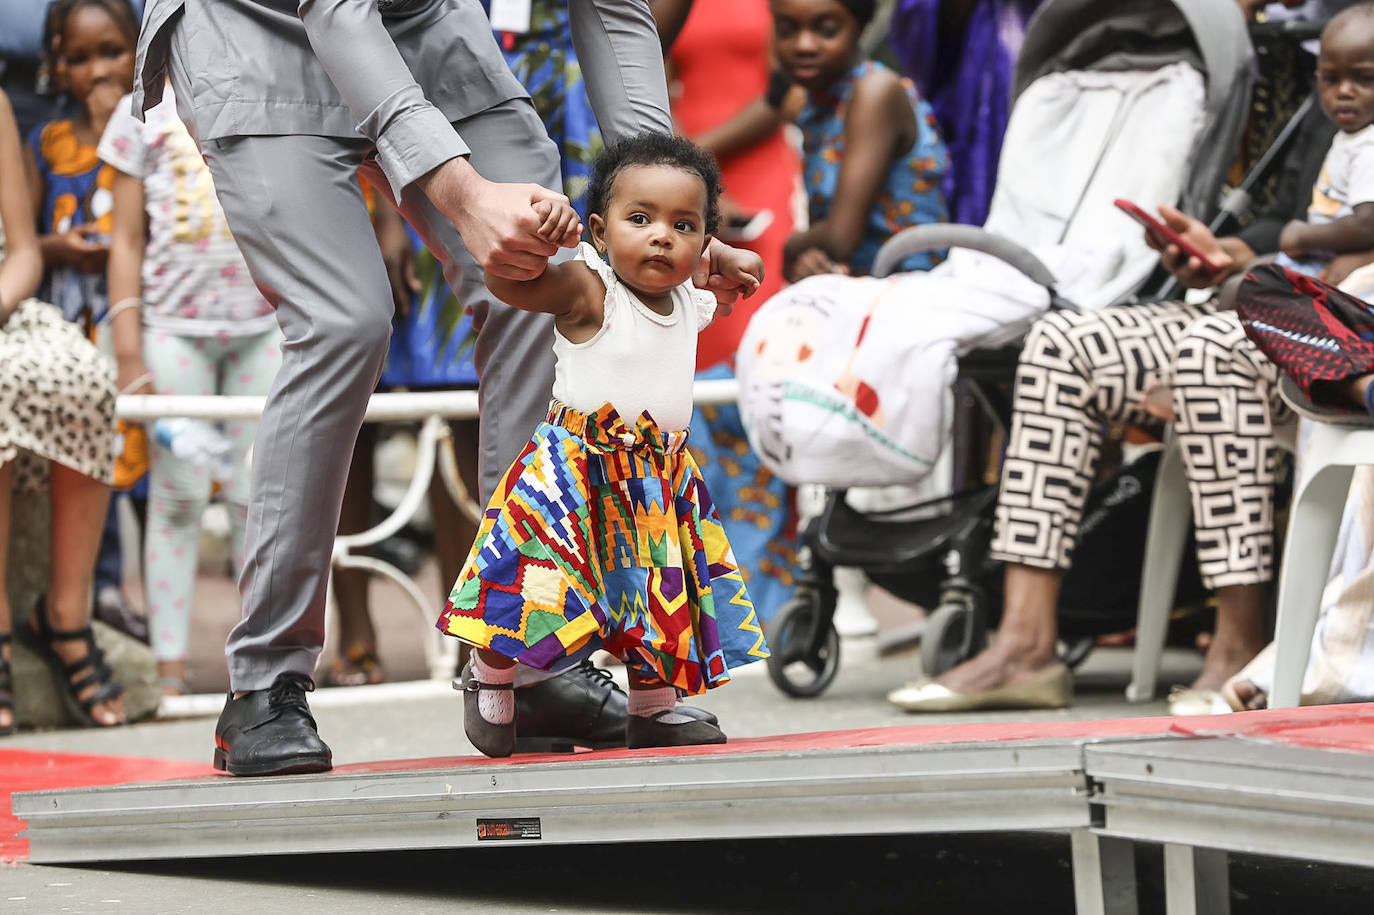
(954, 633)
(803, 662)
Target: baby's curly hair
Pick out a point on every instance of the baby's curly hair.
(654, 149)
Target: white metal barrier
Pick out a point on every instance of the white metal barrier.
(434, 445)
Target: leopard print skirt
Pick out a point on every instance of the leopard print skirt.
(57, 400)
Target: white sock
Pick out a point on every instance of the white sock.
(497, 706)
(646, 703)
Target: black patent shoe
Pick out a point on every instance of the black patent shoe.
(271, 731)
(494, 740)
(642, 733)
(580, 708)
(700, 714)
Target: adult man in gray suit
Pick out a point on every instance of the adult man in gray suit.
(290, 100)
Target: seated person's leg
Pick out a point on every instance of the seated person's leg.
(1077, 372)
(1226, 401)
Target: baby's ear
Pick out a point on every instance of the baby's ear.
(596, 228)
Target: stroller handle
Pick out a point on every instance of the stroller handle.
(950, 235)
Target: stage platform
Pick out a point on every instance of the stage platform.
(1291, 783)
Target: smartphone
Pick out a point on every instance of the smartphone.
(746, 226)
(1163, 233)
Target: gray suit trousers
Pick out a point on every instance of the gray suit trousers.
(296, 210)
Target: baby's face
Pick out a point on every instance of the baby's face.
(1345, 73)
(655, 227)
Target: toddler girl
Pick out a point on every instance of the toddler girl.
(91, 53)
(602, 534)
(186, 308)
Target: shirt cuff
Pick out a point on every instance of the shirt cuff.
(415, 144)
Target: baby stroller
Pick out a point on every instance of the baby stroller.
(1096, 109)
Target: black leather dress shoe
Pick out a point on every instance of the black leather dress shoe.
(579, 708)
(271, 731)
(582, 707)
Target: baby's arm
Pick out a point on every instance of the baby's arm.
(1340, 236)
(570, 291)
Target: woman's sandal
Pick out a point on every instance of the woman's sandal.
(6, 686)
(97, 673)
(359, 667)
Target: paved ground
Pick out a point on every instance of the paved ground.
(937, 874)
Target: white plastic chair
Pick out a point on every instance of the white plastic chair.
(1340, 442)
(1171, 517)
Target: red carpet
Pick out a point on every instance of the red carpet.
(1334, 727)
(32, 770)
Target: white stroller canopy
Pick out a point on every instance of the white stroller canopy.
(1147, 34)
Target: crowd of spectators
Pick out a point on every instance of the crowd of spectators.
(113, 236)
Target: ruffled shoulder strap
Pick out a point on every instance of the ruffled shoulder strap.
(587, 255)
(704, 302)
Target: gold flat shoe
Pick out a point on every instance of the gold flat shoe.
(1184, 701)
(1051, 688)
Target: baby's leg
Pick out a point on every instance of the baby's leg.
(496, 705)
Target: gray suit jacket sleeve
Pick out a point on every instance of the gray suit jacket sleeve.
(412, 136)
(622, 65)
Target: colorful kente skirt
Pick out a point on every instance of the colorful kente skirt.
(602, 535)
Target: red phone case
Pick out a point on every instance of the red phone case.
(1164, 232)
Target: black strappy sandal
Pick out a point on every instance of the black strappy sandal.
(96, 672)
(6, 686)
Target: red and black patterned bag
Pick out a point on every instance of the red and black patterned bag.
(1312, 331)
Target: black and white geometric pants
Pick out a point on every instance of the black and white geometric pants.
(1079, 372)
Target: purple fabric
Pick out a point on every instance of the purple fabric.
(968, 85)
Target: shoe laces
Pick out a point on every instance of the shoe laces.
(288, 692)
(597, 675)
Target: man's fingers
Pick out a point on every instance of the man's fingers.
(540, 193)
(516, 265)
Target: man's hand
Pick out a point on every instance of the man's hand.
(560, 224)
(728, 273)
(497, 221)
(1186, 269)
(1291, 239)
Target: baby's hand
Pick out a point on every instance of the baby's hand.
(559, 223)
(1290, 239)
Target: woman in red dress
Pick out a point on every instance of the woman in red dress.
(720, 66)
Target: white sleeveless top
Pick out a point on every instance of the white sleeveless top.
(638, 360)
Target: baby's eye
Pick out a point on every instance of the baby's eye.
(639, 219)
(684, 226)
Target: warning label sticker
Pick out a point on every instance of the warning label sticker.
(517, 828)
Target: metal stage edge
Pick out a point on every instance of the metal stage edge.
(860, 791)
(1200, 796)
